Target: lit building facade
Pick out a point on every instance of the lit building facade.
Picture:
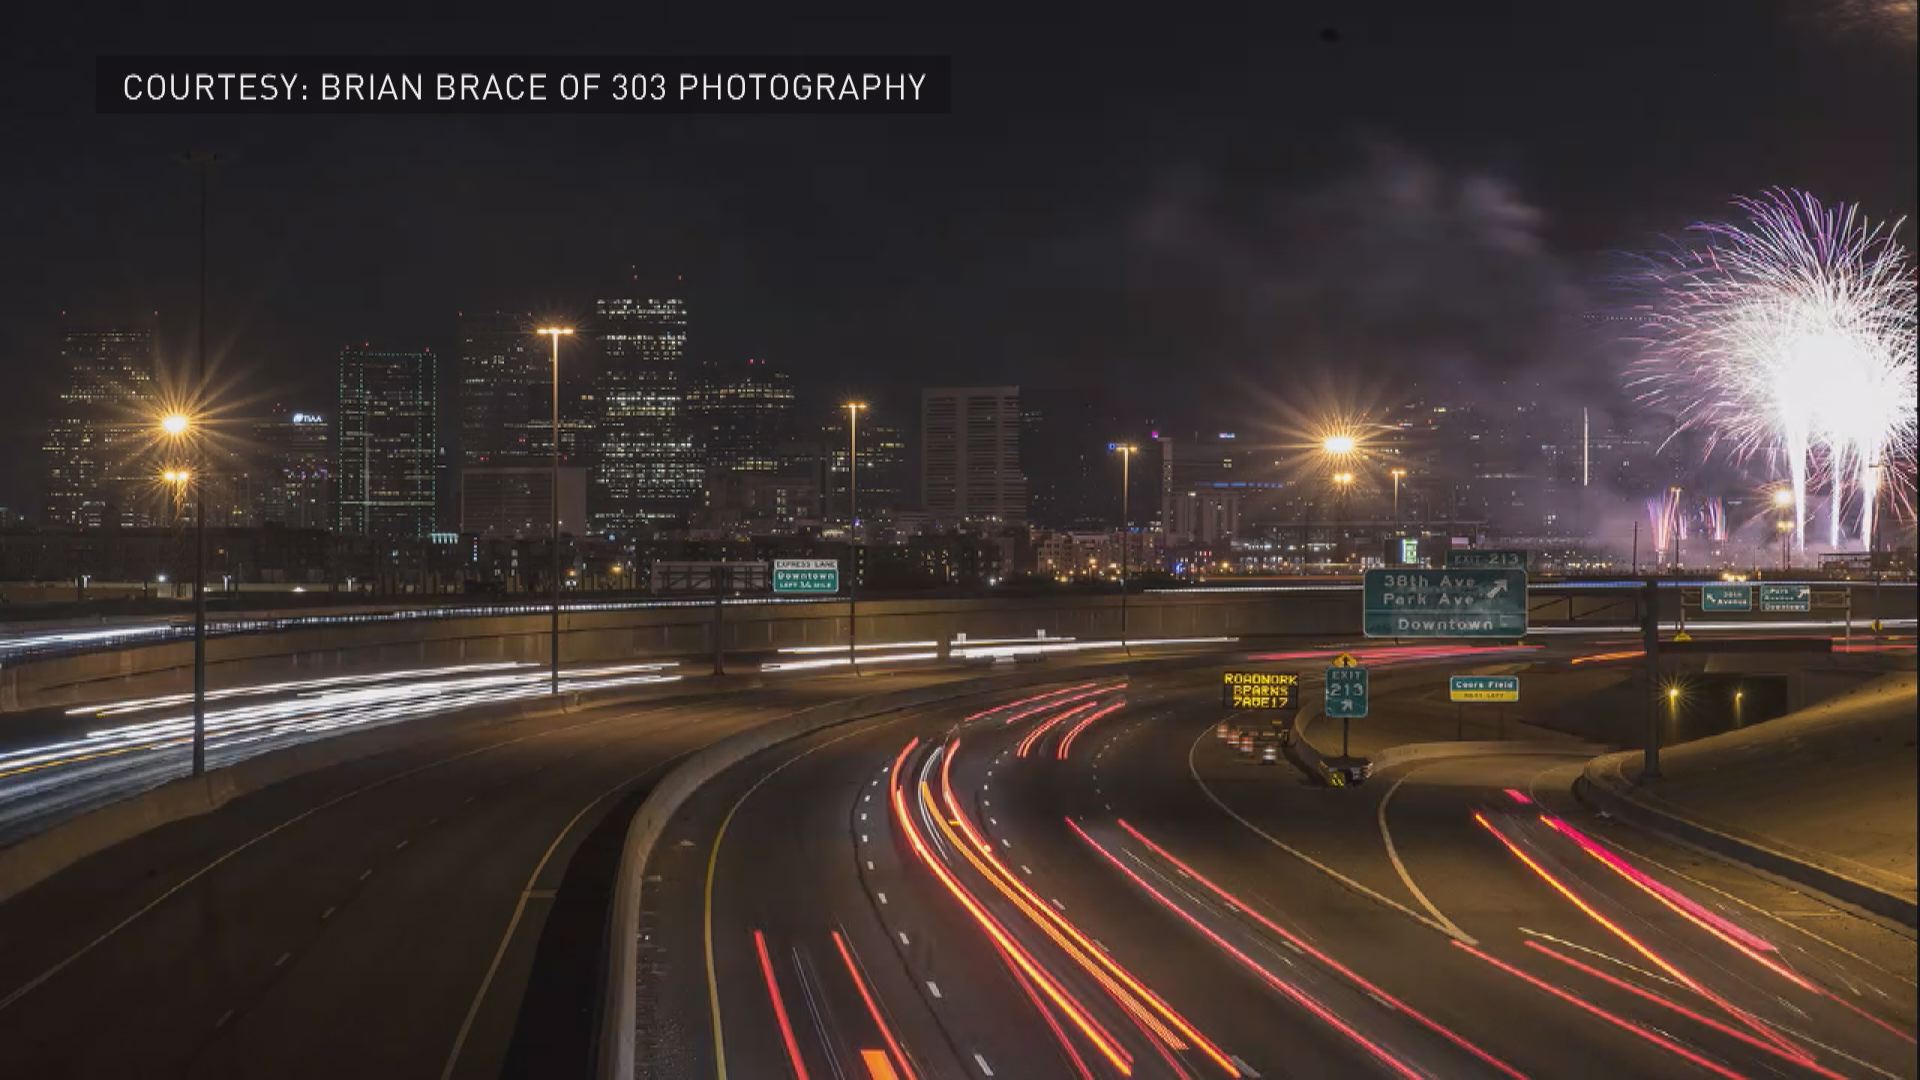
(102, 457)
(646, 470)
(293, 483)
(505, 384)
(739, 415)
(386, 458)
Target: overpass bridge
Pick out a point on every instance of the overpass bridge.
(74, 665)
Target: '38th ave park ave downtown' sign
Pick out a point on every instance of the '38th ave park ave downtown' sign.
(1450, 603)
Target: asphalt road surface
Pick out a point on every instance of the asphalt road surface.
(434, 910)
(1095, 884)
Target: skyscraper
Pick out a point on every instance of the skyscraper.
(646, 471)
(885, 470)
(294, 485)
(101, 453)
(970, 454)
(504, 389)
(739, 414)
(385, 476)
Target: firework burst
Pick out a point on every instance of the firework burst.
(1789, 337)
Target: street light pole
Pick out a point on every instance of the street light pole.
(202, 162)
(853, 534)
(553, 584)
(1127, 450)
(1397, 474)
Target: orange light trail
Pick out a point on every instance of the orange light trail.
(1066, 743)
(1307, 947)
(1043, 913)
(1298, 996)
(873, 1007)
(1040, 730)
(1053, 1025)
(1037, 709)
(1601, 658)
(1023, 701)
(1621, 1022)
(1747, 943)
(1091, 1028)
(779, 1007)
(1634, 943)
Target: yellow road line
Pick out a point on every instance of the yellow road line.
(713, 865)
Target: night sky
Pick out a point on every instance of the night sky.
(1187, 205)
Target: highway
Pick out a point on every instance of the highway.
(55, 763)
(437, 908)
(1095, 884)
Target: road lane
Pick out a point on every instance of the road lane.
(1285, 966)
(343, 922)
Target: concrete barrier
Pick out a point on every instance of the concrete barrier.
(1602, 787)
(675, 632)
(615, 1050)
(1410, 753)
(40, 856)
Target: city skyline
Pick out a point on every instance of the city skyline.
(1135, 248)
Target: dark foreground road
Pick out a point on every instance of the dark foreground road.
(433, 910)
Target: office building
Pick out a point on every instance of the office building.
(504, 390)
(1210, 482)
(102, 453)
(293, 481)
(646, 471)
(516, 501)
(970, 455)
(385, 451)
(885, 466)
(739, 414)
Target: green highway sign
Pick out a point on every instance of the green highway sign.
(1726, 598)
(811, 576)
(1486, 558)
(1464, 688)
(1786, 598)
(1472, 603)
(1347, 692)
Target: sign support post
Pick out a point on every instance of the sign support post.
(1650, 641)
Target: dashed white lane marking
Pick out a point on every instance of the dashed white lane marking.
(1028, 870)
(284, 957)
(327, 914)
(866, 798)
(993, 821)
(1057, 903)
(869, 864)
(985, 1069)
(863, 838)
(367, 873)
(224, 1017)
(934, 988)
(882, 896)
(400, 846)
(1005, 843)
(903, 938)
(863, 815)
